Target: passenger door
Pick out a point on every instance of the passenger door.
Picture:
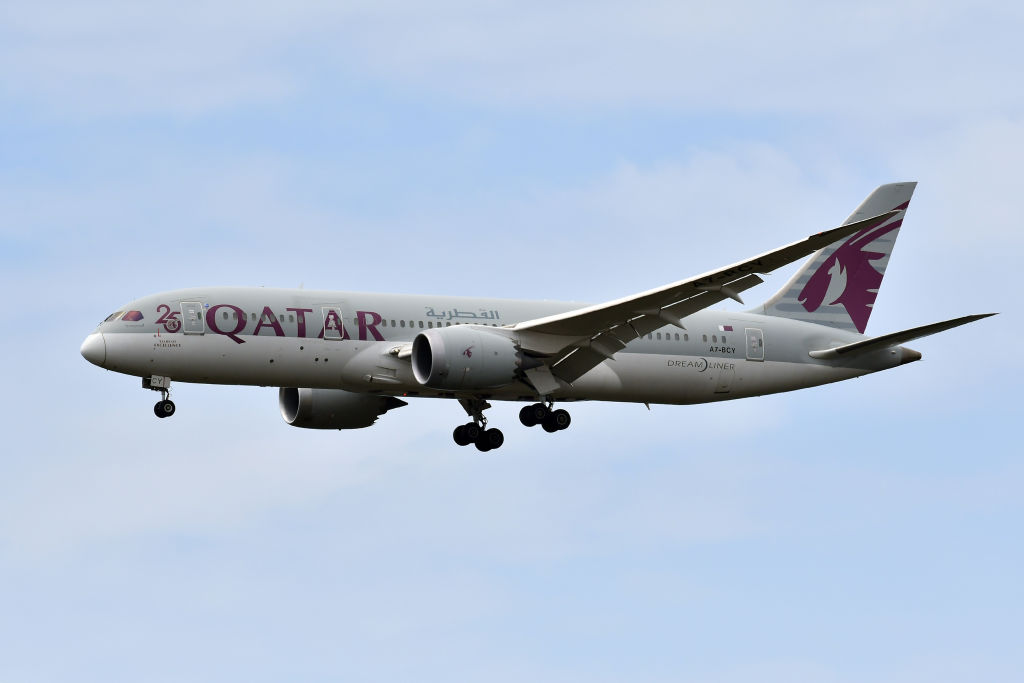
(192, 317)
(333, 322)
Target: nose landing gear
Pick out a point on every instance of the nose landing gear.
(165, 406)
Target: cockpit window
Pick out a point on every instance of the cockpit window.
(132, 316)
(113, 316)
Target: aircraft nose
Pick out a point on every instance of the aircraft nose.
(94, 349)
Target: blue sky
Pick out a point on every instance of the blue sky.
(865, 530)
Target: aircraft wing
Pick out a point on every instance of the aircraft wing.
(574, 342)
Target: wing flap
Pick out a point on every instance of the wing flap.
(577, 360)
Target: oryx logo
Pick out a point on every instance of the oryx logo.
(847, 276)
(468, 353)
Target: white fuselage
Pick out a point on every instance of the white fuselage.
(352, 341)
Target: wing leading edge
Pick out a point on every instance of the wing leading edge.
(574, 342)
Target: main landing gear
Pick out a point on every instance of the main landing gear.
(540, 414)
(476, 432)
(165, 406)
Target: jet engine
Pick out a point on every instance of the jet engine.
(333, 408)
(466, 357)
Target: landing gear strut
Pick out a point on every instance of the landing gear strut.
(476, 432)
(540, 414)
(165, 406)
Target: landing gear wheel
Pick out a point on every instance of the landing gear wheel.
(489, 440)
(164, 408)
(534, 414)
(460, 436)
(556, 421)
(466, 434)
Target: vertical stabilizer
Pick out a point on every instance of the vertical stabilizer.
(838, 285)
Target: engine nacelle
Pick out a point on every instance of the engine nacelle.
(464, 357)
(333, 408)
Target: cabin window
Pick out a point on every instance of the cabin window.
(392, 323)
(723, 338)
(686, 337)
(254, 315)
(412, 323)
(430, 324)
(448, 324)
(421, 324)
(650, 336)
(705, 338)
(677, 336)
(659, 336)
(403, 323)
(714, 338)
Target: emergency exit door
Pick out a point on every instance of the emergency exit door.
(755, 343)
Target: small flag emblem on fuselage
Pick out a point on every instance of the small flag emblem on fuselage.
(725, 328)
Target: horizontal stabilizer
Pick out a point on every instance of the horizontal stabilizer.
(894, 339)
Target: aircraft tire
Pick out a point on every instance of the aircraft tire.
(460, 436)
(164, 408)
(526, 417)
(556, 421)
(472, 431)
(489, 440)
(494, 437)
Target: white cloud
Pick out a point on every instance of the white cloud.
(879, 60)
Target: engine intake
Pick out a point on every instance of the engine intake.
(465, 357)
(333, 408)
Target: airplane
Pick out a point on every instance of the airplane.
(343, 359)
